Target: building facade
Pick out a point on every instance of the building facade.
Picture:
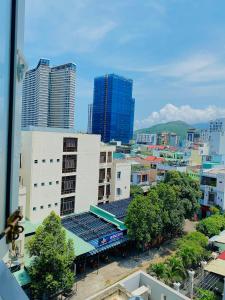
(213, 187)
(146, 138)
(67, 172)
(90, 113)
(113, 108)
(217, 137)
(49, 96)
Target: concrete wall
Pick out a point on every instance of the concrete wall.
(122, 183)
(48, 146)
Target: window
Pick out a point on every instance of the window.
(56, 204)
(101, 175)
(108, 174)
(42, 184)
(34, 208)
(69, 144)
(103, 157)
(109, 157)
(35, 161)
(43, 160)
(108, 190)
(67, 206)
(41, 207)
(35, 185)
(49, 205)
(58, 160)
(101, 191)
(68, 184)
(118, 175)
(118, 191)
(50, 183)
(51, 160)
(69, 163)
(57, 182)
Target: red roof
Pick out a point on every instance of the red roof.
(222, 256)
(155, 159)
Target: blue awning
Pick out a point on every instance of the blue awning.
(108, 246)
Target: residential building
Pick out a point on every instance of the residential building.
(105, 172)
(146, 138)
(173, 139)
(67, 172)
(49, 96)
(204, 135)
(143, 175)
(62, 96)
(217, 137)
(90, 113)
(113, 108)
(193, 136)
(60, 171)
(213, 187)
(139, 285)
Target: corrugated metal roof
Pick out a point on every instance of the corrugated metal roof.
(217, 267)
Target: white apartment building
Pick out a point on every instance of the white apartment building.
(217, 137)
(146, 138)
(213, 187)
(60, 171)
(67, 172)
(48, 97)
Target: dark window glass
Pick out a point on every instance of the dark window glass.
(67, 206)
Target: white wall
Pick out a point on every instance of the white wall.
(122, 183)
(39, 145)
(87, 172)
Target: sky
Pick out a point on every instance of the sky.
(174, 50)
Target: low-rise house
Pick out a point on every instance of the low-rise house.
(213, 187)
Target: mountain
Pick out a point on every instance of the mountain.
(178, 127)
(201, 126)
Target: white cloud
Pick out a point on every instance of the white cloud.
(184, 113)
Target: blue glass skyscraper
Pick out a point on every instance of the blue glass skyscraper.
(113, 108)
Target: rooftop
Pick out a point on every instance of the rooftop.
(88, 226)
(117, 208)
(215, 171)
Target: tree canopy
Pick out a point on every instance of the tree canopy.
(212, 225)
(50, 271)
(159, 214)
(188, 191)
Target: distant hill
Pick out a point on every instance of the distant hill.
(179, 127)
(201, 126)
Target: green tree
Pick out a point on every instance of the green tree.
(205, 295)
(176, 267)
(212, 225)
(50, 271)
(135, 190)
(170, 210)
(187, 189)
(142, 220)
